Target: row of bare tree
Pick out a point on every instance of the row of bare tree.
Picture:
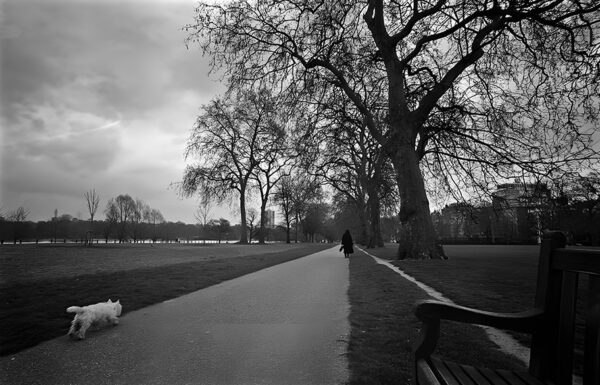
(446, 97)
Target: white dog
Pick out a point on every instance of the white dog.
(97, 315)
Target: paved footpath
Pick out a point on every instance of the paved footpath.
(287, 324)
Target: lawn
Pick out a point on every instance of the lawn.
(383, 325)
(495, 278)
(488, 277)
(37, 283)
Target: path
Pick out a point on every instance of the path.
(287, 324)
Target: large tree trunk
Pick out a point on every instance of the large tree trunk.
(375, 238)
(262, 231)
(417, 235)
(297, 225)
(362, 237)
(288, 228)
(243, 224)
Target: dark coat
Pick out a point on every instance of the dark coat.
(347, 243)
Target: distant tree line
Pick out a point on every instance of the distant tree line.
(311, 222)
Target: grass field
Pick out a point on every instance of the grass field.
(384, 328)
(37, 283)
(494, 278)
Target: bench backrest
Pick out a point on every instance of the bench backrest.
(553, 343)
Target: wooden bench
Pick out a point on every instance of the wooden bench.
(551, 324)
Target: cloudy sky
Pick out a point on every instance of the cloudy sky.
(97, 94)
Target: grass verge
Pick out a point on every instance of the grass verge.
(384, 328)
(32, 312)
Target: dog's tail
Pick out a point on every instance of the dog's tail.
(75, 309)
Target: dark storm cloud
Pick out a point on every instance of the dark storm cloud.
(92, 91)
(129, 56)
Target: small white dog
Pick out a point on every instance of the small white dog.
(97, 315)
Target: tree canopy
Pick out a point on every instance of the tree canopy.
(472, 90)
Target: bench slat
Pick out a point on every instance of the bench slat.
(529, 379)
(493, 377)
(566, 329)
(443, 373)
(511, 377)
(459, 373)
(475, 375)
(578, 260)
(425, 375)
(591, 370)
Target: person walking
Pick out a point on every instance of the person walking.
(347, 244)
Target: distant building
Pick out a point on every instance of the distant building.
(518, 213)
(463, 222)
(519, 208)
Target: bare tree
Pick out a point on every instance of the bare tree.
(202, 214)
(120, 211)
(346, 156)
(203, 211)
(251, 215)
(18, 215)
(153, 217)
(283, 196)
(225, 143)
(18, 218)
(221, 227)
(274, 154)
(93, 200)
(139, 210)
(473, 88)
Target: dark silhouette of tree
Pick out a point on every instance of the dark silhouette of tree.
(251, 217)
(120, 212)
(293, 194)
(582, 192)
(473, 88)
(18, 218)
(92, 200)
(140, 210)
(274, 155)
(221, 228)
(314, 220)
(225, 142)
(351, 162)
(202, 213)
(283, 196)
(155, 218)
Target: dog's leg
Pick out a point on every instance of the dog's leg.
(114, 320)
(84, 327)
(75, 327)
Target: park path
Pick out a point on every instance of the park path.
(287, 324)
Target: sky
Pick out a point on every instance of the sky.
(98, 94)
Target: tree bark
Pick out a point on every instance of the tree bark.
(375, 238)
(363, 236)
(243, 224)
(417, 234)
(262, 231)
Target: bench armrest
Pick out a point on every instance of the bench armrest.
(430, 312)
(521, 322)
